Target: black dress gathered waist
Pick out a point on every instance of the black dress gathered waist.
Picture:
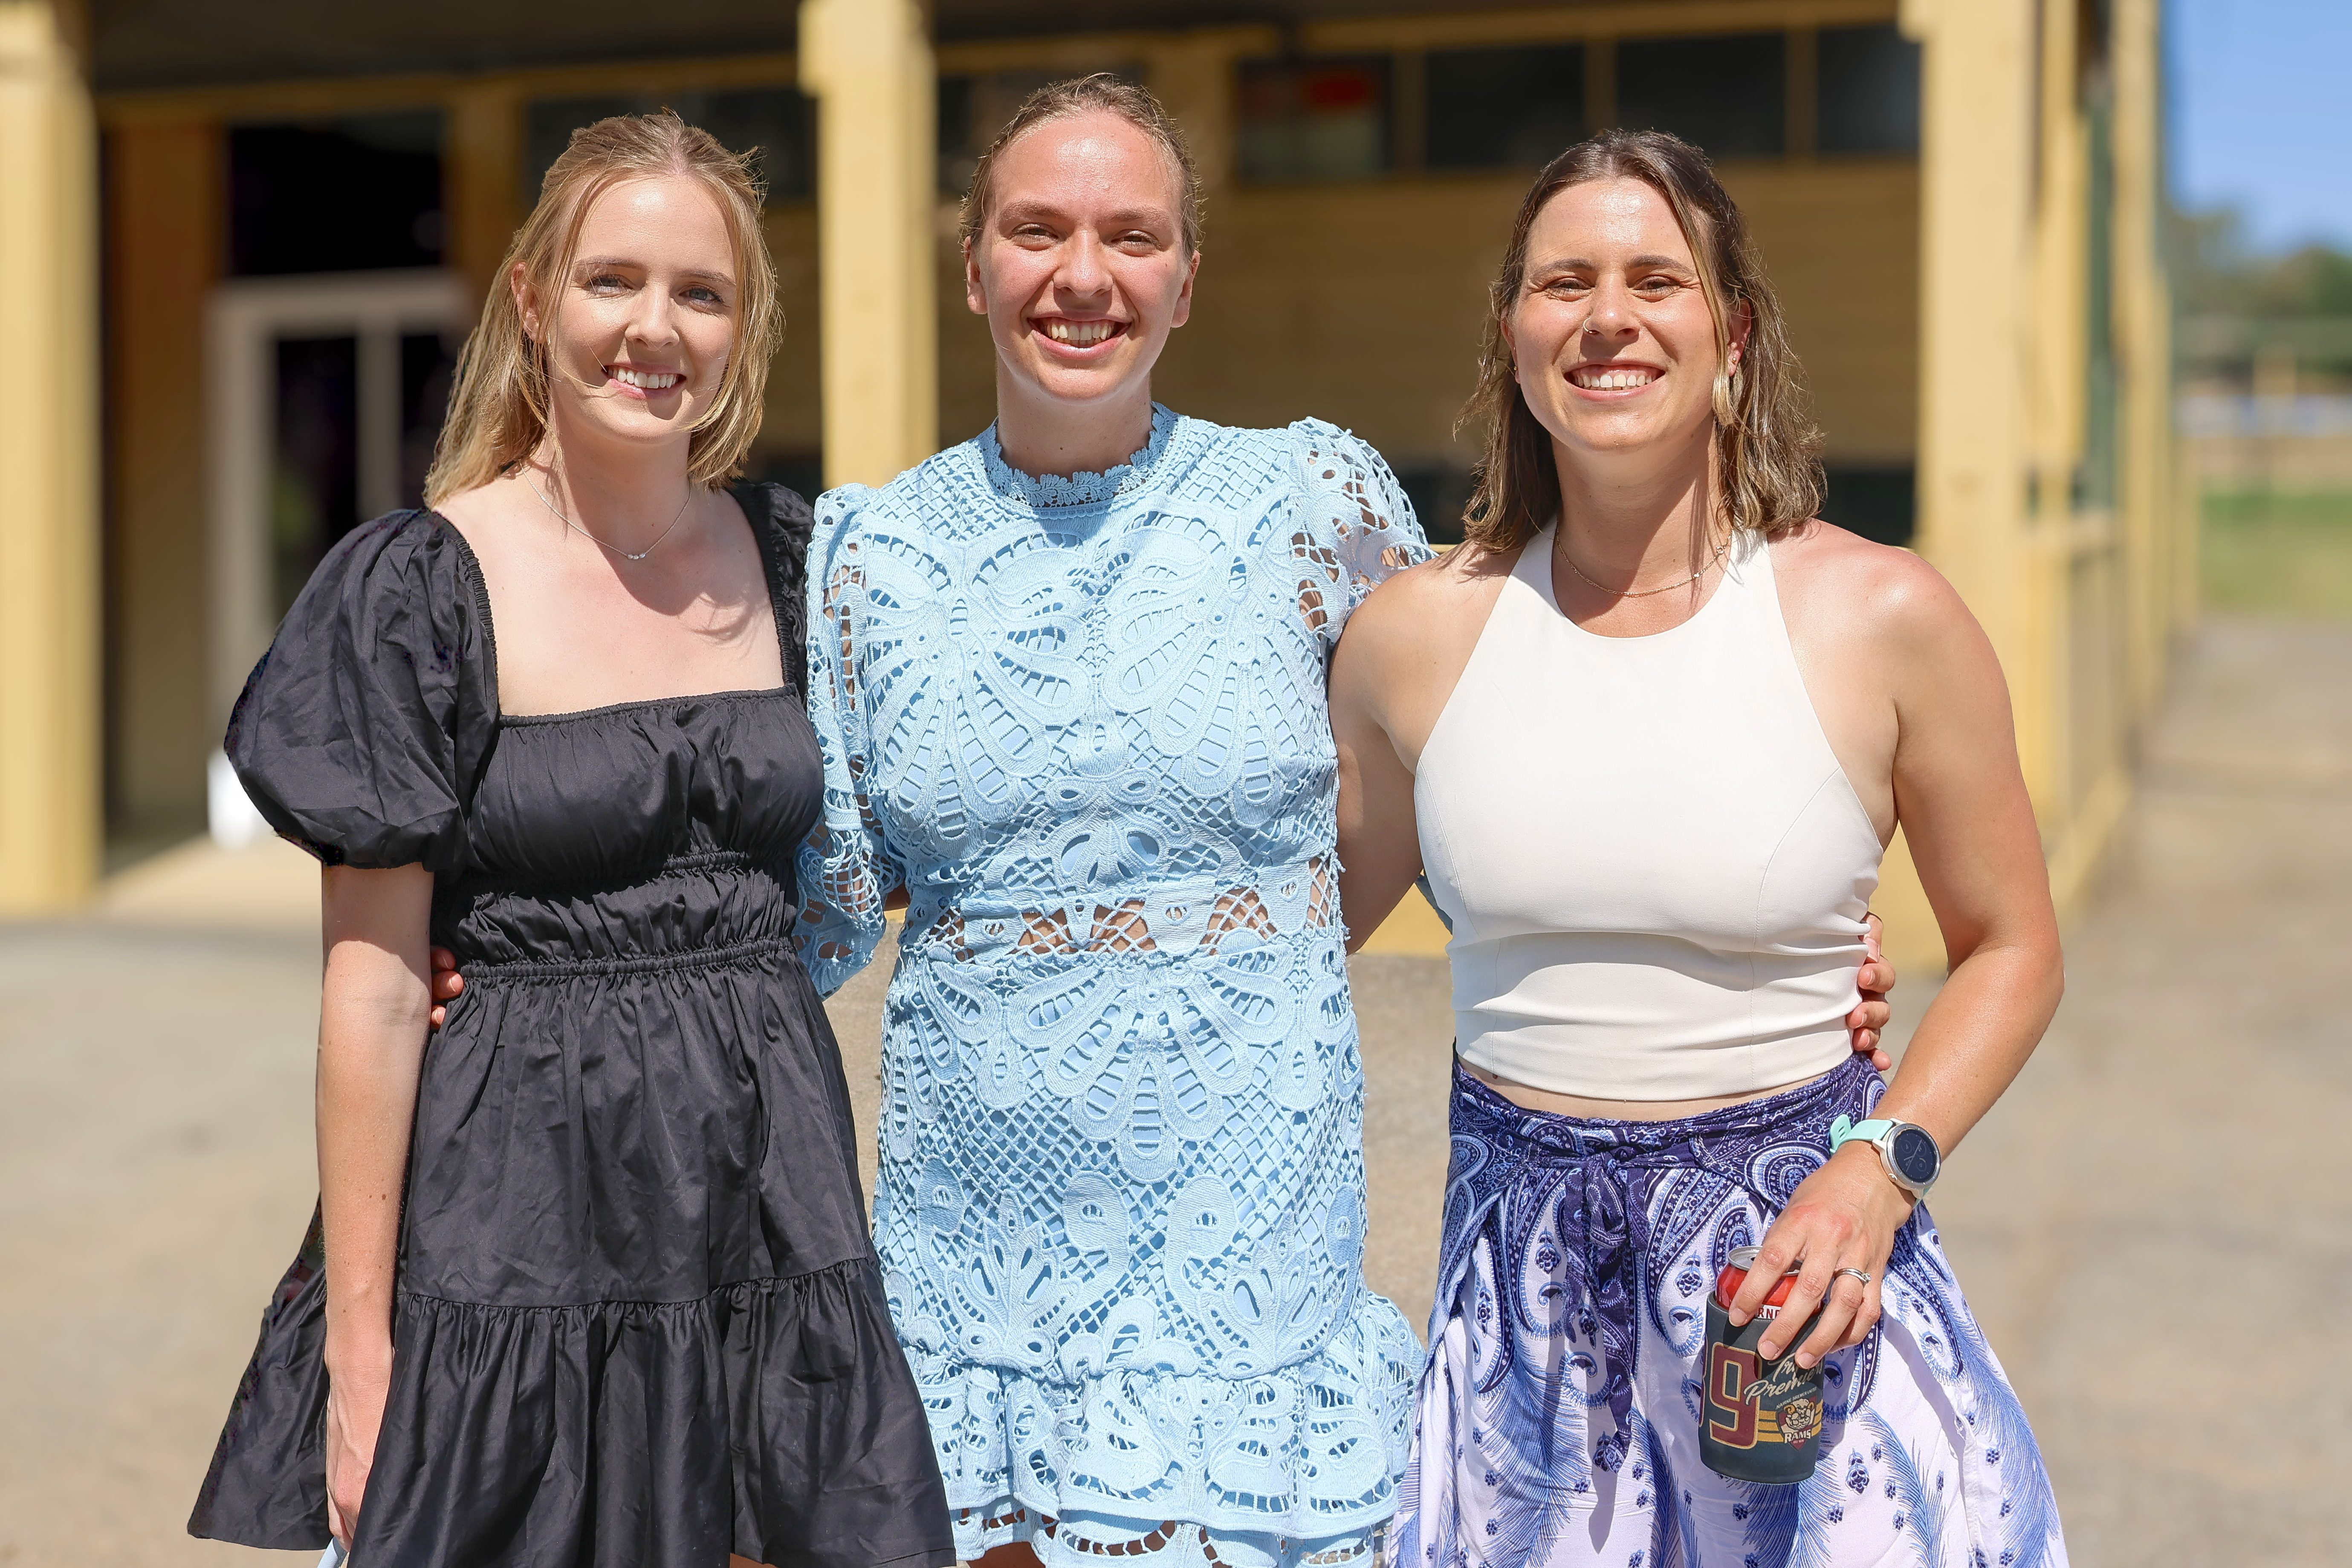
(637, 1322)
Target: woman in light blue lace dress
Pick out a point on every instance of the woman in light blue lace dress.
(1079, 718)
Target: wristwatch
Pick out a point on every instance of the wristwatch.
(1907, 1149)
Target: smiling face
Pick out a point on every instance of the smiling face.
(642, 327)
(1080, 264)
(1612, 340)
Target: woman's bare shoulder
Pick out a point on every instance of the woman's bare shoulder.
(1875, 598)
(1447, 584)
(1880, 591)
(474, 513)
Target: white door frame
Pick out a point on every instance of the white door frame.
(242, 321)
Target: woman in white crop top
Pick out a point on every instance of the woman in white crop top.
(1648, 733)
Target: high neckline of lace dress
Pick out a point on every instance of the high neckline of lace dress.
(1042, 491)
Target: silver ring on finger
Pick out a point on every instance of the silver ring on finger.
(1861, 1274)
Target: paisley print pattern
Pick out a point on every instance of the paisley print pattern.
(1558, 1415)
(1122, 1209)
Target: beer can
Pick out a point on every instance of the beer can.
(1758, 1420)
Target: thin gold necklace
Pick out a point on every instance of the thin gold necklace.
(624, 554)
(1560, 548)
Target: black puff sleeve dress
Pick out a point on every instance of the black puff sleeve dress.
(638, 1322)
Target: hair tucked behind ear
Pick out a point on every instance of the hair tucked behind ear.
(499, 405)
(1767, 463)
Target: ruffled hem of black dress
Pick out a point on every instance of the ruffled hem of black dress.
(773, 1418)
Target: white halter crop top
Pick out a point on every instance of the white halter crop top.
(1655, 868)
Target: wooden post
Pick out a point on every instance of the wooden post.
(51, 811)
(869, 65)
(1976, 147)
(483, 187)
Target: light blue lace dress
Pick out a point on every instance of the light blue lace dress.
(1121, 1206)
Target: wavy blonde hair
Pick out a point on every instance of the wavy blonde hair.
(1768, 465)
(499, 405)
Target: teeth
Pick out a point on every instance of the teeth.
(646, 381)
(1614, 379)
(1080, 334)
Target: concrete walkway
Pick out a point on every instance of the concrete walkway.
(2156, 1225)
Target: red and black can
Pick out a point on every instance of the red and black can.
(1758, 1420)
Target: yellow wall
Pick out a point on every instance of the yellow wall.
(1938, 304)
(164, 209)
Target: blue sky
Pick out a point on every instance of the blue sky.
(2262, 114)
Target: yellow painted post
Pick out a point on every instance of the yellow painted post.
(485, 198)
(51, 819)
(1192, 73)
(869, 65)
(2143, 340)
(1975, 268)
(1976, 276)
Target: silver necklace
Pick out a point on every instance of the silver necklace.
(624, 554)
(1559, 547)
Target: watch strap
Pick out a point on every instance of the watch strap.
(1847, 1129)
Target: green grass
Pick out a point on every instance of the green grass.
(2287, 555)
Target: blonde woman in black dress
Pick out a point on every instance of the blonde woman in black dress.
(591, 1285)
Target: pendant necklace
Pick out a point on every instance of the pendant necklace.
(648, 549)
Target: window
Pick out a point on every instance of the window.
(773, 120)
(1504, 108)
(1726, 94)
(1314, 119)
(351, 195)
(1876, 502)
(1869, 91)
(1439, 491)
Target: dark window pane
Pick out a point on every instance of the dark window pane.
(776, 121)
(1876, 502)
(802, 471)
(1438, 492)
(1314, 119)
(1504, 108)
(1869, 91)
(314, 479)
(958, 156)
(426, 362)
(1724, 94)
(336, 196)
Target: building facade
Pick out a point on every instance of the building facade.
(251, 241)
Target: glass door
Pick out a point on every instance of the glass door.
(327, 394)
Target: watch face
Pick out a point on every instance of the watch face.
(1915, 1155)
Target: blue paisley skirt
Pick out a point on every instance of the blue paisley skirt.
(1557, 1420)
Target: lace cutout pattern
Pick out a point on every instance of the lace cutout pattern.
(1121, 1210)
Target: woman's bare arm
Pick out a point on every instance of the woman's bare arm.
(1961, 799)
(1960, 795)
(1379, 843)
(372, 1028)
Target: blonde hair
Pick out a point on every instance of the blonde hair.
(1100, 92)
(499, 405)
(1767, 464)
